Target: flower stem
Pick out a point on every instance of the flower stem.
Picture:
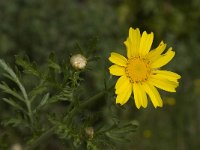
(68, 118)
(82, 106)
(40, 139)
(86, 103)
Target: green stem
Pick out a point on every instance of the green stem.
(40, 139)
(84, 104)
(30, 114)
(69, 117)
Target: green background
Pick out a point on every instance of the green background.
(38, 27)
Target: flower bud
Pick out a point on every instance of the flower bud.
(89, 132)
(78, 61)
(16, 146)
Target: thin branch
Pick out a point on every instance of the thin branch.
(44, 136)
(68, 118)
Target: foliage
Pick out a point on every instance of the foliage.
(38, 27)
(58, 84)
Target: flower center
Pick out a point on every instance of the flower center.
(138, 69)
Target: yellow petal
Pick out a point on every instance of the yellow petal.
(128, 47)
(120, 81)
(143, 96)
(117, 70)
(154, 54)
(163, 83)
(118, 59)
(133, 42)
(123, 97)
(145, 43)
(163, 59)
(163, 77)
(153, 94)
(168, 75)
(136, 95)
(140, 96)
(122, 86)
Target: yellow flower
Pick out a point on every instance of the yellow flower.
(140, 71)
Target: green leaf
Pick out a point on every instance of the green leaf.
(15, 122)
(77, 45)
(126, 128)
(52, 63)
(37, 91)
(117, 132)
(117, 138)
(8, 77)
(8, 90)
(14, 78)
(29, 68)
(8, 70)
(14, 104)
(42, 102)
(91, 146)
(66, 94)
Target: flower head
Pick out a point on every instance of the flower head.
(140, 72)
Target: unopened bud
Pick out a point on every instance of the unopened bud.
(78, 61)
(89, 132)
(16, 146)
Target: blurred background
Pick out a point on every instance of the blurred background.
(38, 27)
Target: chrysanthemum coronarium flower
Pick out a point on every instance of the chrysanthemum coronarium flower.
(140, 72)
